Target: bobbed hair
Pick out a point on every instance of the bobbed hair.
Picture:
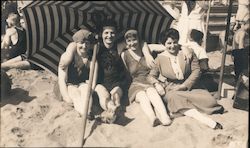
(109, 23)
(169, 33)
(196, 35)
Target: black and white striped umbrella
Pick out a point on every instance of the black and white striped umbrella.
(51, 24)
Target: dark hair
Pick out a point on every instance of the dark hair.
(169, 33)
(196, 35)
(109, 23)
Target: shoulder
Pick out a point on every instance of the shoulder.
(162, 57)
(67, 56)
(71, 47)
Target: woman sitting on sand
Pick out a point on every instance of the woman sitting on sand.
(14, 40)
(180, 74)
(73, 72)
(140, 89)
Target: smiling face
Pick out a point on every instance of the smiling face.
(172, 46)
(83, 47)
(108, 36)
(132, 42)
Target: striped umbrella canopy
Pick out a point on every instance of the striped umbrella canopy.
(51, 24)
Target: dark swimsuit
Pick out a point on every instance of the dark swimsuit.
(111, 72)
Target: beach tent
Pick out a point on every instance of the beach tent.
(51, 24)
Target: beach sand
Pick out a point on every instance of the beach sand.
(32, 117)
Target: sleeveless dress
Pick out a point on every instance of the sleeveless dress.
(78, 72)
(111, 71)
(139, 73)
(20, 47)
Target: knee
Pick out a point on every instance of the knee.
(101, 91)
(116, 91)
(151, 91)
(83, 86)
(140, 95)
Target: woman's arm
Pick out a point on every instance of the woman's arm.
(65, 60)
(241, 37)
(147, 49)
(195, 73)
(6, 39)
(122, 56)
(153, 79)
(154, 73)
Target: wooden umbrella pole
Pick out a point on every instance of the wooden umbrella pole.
(89, 91)
(224, 49)
(207, 21)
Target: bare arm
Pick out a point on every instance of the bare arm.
(241, 39)
(7, 38)
(65, 60)
(122, 56)
(147, 49)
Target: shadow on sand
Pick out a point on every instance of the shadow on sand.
(16, 96)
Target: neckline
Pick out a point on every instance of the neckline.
(134, 55)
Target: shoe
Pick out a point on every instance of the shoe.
(156, 122)
(218, 126)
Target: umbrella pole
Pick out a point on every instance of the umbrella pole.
(207, 21)
(224, 49)
(89, 91)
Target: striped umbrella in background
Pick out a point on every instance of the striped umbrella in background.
(51, 24)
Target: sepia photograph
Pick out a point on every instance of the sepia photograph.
(131, 74)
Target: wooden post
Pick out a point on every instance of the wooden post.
(206, 29)
(224, 50)
(89, 91)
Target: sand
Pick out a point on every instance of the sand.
(32, 117)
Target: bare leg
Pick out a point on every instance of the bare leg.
(15, 63)
(104, 96)
(194, 113)
(75, 95)
(83, 90)
(116, 95)
(146, 106)
(158, 106)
